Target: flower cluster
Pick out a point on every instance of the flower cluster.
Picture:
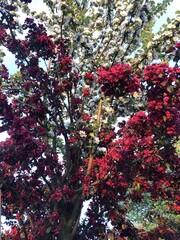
(5, 112)
(159, 74)
(118, 80)
(65, 64)
(162, 96)
(3, 34)
(4, 72)
(89, 78)
(162, 232)
(106, 136)
(86, 92)
(38, 40)
(57, 195)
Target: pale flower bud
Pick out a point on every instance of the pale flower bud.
(123, 13)
(149, 55)
(82, 134)
(96, 140)
(138, 20)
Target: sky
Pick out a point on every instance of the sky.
(172, 8)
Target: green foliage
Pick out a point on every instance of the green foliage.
(161, 7)
(147, 35)
(2, 55)
(149, 214)
(177, 147)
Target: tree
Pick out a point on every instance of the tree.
(82, 66)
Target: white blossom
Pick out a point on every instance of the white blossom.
(116, 20)
(149, 44)
(175, 39)
(129, 7)
(82, 134)
(168, 42)
(167, 33)
(111, 51)
(102, 149)
(109, 109)
(138, 20)
(149, 55)
(96, 140)
(157, 37)
(96, 34)
(123, 13)
(178, 18)
(171, 26)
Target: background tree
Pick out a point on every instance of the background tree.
(82, 65)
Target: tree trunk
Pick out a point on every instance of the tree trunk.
(71, 221)
(65, 233)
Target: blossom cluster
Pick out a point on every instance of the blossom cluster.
(118, 80)
(162, 96)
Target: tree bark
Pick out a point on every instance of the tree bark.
(69, 225)
(65, 233)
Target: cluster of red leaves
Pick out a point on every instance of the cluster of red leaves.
(163, 97)
(3, 33)
(161, 232)
(37, 40)
(106, 136)
(86, 92)
(11, 234)
(118, 80)
(89, 78)
(5, 111)
(4, 72)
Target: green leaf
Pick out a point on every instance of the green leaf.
(48, 230)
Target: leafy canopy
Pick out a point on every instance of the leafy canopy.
(90, 116)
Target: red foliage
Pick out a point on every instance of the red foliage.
(53, 158)
(118, 80)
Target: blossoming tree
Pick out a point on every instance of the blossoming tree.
(83, 65)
